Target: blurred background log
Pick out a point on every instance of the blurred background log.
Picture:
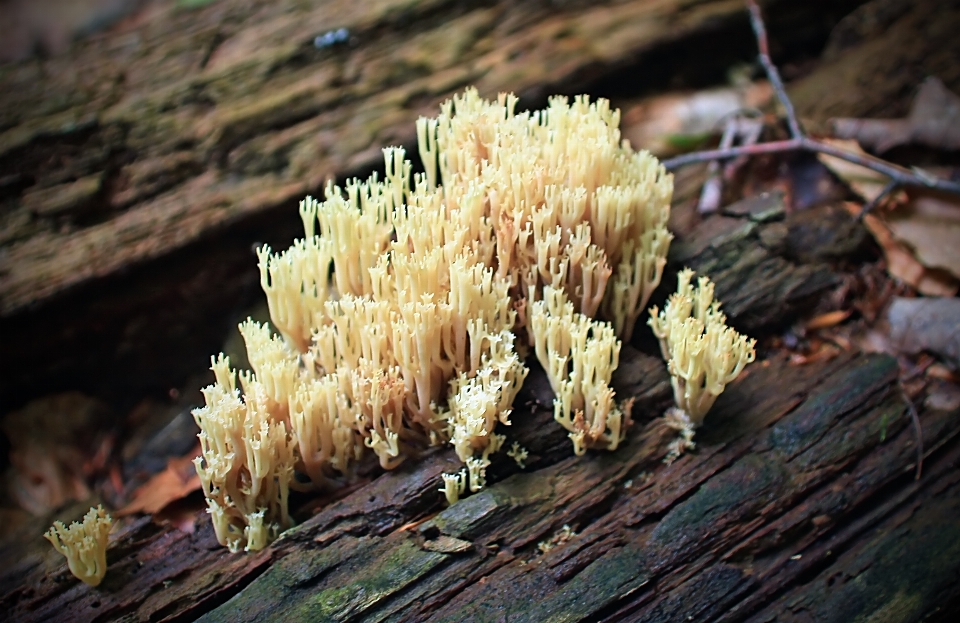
(140, 167)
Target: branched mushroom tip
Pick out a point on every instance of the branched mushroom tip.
(406, 311)
(84, 544)
(518, 454)
(702, 353)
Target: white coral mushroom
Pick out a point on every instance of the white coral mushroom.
(403, 310)
(84, 544)
(703, 354)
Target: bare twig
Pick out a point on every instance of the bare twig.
(736, 129)
(916, 429)
(711, 195)
(760, 30)
(750, 131)
(891, 186)
(899, 176)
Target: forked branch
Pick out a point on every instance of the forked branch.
(798, 141)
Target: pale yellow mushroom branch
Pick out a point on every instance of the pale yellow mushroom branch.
(247, 461)
(84, 544)
(703, 354)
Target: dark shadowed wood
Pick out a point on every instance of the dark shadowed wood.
(879, 53)
(195, 119)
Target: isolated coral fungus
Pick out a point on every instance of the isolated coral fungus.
(703, 354)
(84, 544)
(407, 308)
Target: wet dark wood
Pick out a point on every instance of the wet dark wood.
(878, 54)
(801, 496)
(195, 119)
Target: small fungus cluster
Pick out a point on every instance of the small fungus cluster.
(406, 311)
(702, 353)
(84, 544)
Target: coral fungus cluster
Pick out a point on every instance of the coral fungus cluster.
(406, 310)
(702, 353)
(84, 544)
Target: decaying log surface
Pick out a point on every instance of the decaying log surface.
(798, 503)
(795, 501)
(184, 136)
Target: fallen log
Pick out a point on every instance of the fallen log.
(785, 486)
(798, 504)
(139, 169)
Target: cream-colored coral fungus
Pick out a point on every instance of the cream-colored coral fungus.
(703, 354)
(84, 544)
(579, 356)
(247, 459)
(407, 308)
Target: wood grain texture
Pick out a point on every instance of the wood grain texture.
(128, 201)
(800, 482)
(138, 170)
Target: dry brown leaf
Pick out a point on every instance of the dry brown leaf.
(865, 182)
(901, 262)
(824, 351)
(176, 482)
(658, 123)
(926, 324)
(930, 226)
(57, 445)
(942, 372)
(934, 121)
(829, 319)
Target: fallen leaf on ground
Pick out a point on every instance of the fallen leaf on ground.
(934, 121)
(943, 397)
(901, 262)
(828, 319)
(681, 121)
(942, 372)
(926, 324)
(176, 482)
(822, 352)
(930, 226)
(57, 444)
(865, 182)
